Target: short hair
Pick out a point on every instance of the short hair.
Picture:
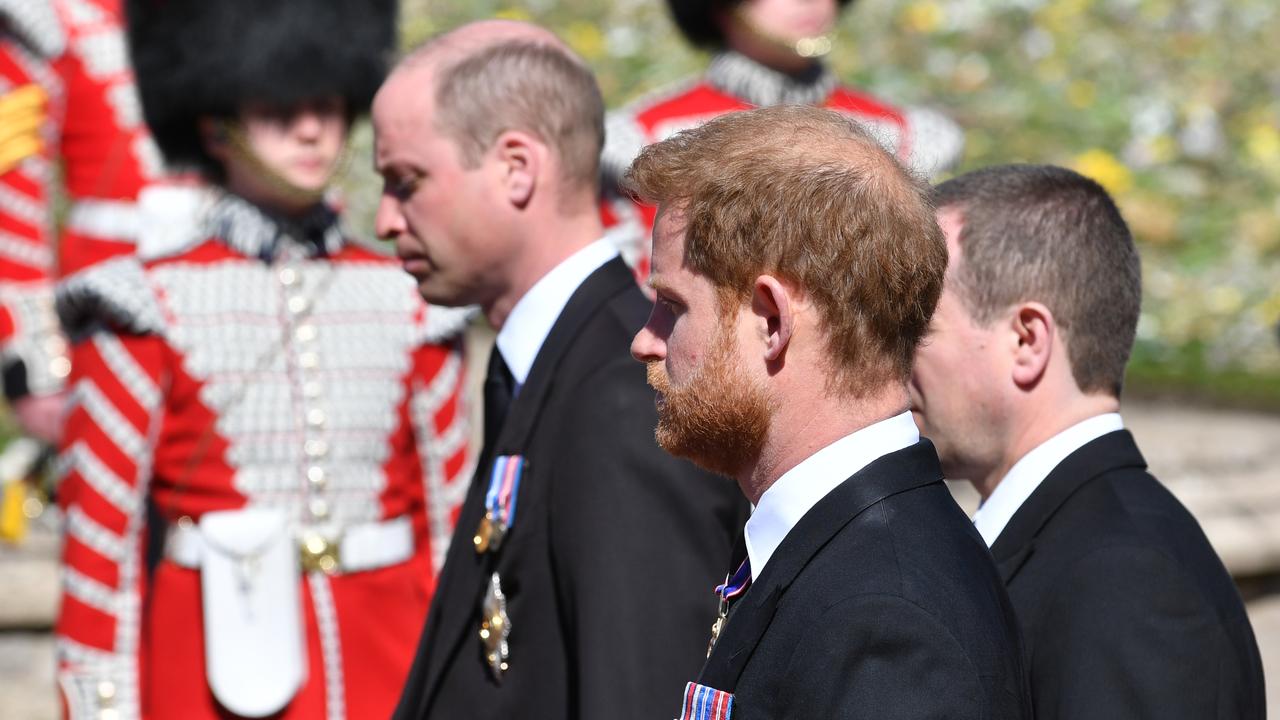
(526, 85)
(1047, 234)
(809, 196)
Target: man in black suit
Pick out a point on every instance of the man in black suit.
(1125, 610)
(576, 583)
(796, 265)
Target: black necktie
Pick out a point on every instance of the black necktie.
(498, 389)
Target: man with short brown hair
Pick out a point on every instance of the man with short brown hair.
(796, 265)
(575, 587)
(1125, 610)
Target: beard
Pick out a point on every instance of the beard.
(717, 419)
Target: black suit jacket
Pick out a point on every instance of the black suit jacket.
(1125, 609)
(881, 603)
(610, 569)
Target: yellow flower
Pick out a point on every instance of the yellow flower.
(513, 13)
(1263, 143)
(586, 39)
(1268, 311)
(1105, 169)
(1082, 94)
(923, 16)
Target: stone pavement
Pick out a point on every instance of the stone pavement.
(1224, 465)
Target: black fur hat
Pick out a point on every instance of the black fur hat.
(197, 58)
(697, 19)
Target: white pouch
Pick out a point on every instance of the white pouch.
(249, 578)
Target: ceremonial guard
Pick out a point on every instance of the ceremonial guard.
(264, 407)
(67, 100)
(767, 52)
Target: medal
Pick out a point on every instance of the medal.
(495, 628)
(488, 533)
(732, 588)
(500, 503)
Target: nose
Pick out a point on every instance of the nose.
(308, 123)
(389, 222)
(648, 345)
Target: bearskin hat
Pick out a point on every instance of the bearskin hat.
(208, 58)
(697, 19)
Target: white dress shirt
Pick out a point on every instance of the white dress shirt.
(801, 487)
(1031, 470)
(531, 319)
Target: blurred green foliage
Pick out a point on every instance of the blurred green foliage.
(1173, 105)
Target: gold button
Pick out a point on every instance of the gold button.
(106, 690)
(319, 508)
(316, 476)
(316, 544)
(316, 448)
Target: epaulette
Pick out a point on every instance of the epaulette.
(36, 23)
(623, 136)
(115, 293)
(445, 324)
(937, 143)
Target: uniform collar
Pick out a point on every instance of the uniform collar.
(252, 231)
(1031, 470)
(803, 486)
(746, 79)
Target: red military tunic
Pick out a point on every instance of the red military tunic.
(232, 365)
(923, 139)
(75, 52)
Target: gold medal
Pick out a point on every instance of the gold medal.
(716, 627)
(495, 628)
(489, 533)
(484, 534)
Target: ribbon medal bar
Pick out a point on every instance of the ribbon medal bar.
(705, 703)
(500, 502)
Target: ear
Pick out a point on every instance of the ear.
(520, 158)
(773, 303)
(214, 136)
(1034, 333)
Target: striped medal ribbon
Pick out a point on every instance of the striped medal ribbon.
(705, 703)
(500, 502)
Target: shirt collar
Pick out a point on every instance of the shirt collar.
(530, 321)
(786, 501)
(746, 79)
(1031, 470)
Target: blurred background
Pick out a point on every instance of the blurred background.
(1172, 105)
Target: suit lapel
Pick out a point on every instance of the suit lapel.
(1016, 542)
(600, 286)
(462, 582)
(894, 473)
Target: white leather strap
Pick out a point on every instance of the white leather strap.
(367, 546)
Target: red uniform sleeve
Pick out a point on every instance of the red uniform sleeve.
(29, 129)
(105, 462)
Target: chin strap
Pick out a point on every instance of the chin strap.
(239, 144)
(811, 48)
